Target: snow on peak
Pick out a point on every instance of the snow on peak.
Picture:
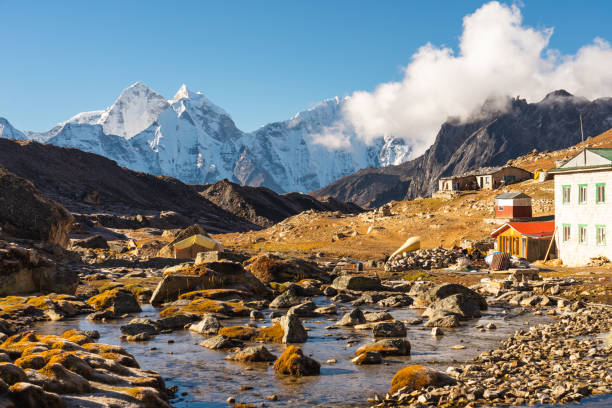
(182, 93)
(194, 140)
(135, 110)
(9, 132)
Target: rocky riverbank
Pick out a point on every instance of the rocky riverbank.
(553, 363)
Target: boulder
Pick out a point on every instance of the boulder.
(272, 268)
(306, 309)
(458, 304)
(208, 325)
(442, 320)
(377, 316)
(389, 329)
(368, 299)
(252, 354)
(387, 347)
(26, 213)
(93, 242)
(368, 357)
(28, 395)
(416, 377)
(396, 301)
(64, 381)
(213, 275)
(445, 290)
(27, 270)
(11, 373)
(177, 321)
(294, 362)
(293, 330)
(118, 300)
(139, 325)
(357, 283)
(220, 342)
(352, 318)
(286, 299)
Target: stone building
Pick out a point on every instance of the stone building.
(485, 178)
(583, 207)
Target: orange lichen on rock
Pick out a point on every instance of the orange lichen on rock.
(214, 294)
(294, 362)
(263, 267)
(272, 334)
(238, 332)
(203, 306)
(416, 377)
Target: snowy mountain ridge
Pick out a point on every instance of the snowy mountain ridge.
(192, 139)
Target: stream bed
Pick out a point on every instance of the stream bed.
(209, 380)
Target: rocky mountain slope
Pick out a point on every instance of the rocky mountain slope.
(491, 138)
(190, 138)
(374, 234)
(86, 183)
(264, 207)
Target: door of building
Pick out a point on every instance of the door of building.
(524, 248)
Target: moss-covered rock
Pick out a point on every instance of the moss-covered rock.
(294, 362)
(416, 377)
(118, 300)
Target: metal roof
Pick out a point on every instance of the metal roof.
(529, 229)
(511, 195)
(605, 153)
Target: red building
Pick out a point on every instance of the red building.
(513, 206)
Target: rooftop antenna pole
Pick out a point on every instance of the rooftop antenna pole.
(582, 136)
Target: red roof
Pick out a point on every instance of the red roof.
(531, 229)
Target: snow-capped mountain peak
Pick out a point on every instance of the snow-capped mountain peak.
(136, 109)
(196, 141)
(9, 132)
(182, 93)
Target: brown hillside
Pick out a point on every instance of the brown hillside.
(438, 222)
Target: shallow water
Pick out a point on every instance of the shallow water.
(209, 380)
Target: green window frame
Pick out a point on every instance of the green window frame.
(582, 194)
(600, 193)
(600, 235)
(567, 232)
(566, 192)
(582, 234)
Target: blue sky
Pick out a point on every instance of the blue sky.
(261, 61)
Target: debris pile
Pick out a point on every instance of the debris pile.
(599, 261)
(436, 258)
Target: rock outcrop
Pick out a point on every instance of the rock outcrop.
(273, 268)
(26, 213)
(491, 138)
(26, 270)
(213, 275)
(72, 370)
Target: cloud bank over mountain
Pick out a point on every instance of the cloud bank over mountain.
(498, 56)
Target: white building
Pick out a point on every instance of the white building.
(583, 207)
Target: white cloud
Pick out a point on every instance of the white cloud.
(498, 56)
